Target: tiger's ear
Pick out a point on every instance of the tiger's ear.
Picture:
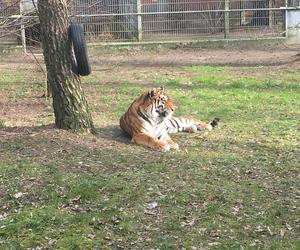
(162, 89)
(151, 93)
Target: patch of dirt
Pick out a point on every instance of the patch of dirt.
(275, 56)
(105, 60)
(23, 112)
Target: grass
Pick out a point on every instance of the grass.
(234, 188)
(2, 125)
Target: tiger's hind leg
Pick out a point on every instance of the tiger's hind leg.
(175, 125)
(146, 140)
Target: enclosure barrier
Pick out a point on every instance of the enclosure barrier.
(153, 20)
(156, 20)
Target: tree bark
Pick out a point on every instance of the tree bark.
(69, 103)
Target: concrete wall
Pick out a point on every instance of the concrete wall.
(293, 25)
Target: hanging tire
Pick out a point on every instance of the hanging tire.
(82, 67)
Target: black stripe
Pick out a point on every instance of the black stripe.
(176, 123)
(139, 112)
(146, 97)
(172, 123)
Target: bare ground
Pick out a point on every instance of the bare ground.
(276, 56)
(281, 55)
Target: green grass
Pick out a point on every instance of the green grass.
(234, 188)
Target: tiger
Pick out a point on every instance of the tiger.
(149, 121)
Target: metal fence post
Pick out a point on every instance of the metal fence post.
(23, 35)
(139, 20)
(285, 17)
(270, 13)
(226, 18)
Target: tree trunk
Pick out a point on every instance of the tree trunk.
(69, 103)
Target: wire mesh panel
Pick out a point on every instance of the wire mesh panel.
(106, 20)
(9, 26)
(156, 20)
(30, 22)
(151, 20)
(207, 19)
(181, 19)
(15, 16)
(293, 3)
(256, 18)
(178, 19)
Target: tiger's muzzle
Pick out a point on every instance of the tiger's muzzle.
(164, 113)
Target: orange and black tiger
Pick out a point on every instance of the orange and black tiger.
(149, 121)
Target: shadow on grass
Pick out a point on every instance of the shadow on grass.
(111, 141)
(112, 133)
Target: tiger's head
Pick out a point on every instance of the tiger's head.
(157, 104)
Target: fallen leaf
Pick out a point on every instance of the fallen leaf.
(18, 195)
(115, 220)
(91, 236)
(150, 212)
(3, 216)
(188, 222)
(235, 209)
(211, 244)
(76, 198)
(259, 229)
(271, 233)
(52, 242)
(97, 224)
(152, 205)
(288, 226)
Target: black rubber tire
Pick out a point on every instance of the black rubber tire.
(83, 67)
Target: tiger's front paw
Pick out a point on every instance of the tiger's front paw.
(161, 146)
(174, 146)
(165, 148)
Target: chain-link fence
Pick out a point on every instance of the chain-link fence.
(9, 23)
(18, 21)
(156, 20)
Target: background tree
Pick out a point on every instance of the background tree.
(69, 103)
